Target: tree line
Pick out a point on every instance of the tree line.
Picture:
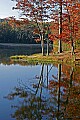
(10, 32)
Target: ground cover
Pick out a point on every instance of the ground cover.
(64, 57)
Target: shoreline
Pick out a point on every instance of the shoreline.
(64, 57)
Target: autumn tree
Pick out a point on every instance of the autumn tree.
(38, 11)
(57, 22)
(72, 17)
(63, 13)
(66, 22)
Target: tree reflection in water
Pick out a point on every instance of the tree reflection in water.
(61, 101)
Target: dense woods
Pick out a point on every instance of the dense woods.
(11, 32)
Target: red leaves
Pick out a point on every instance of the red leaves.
(46, 10)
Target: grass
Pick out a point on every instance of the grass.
(64, 57)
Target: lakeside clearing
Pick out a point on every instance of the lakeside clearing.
(64, 57)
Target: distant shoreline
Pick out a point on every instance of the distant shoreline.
(19, 44)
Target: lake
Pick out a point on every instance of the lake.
(37, 91)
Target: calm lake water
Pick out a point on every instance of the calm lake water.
(37, 91)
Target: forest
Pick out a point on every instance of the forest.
(11, 32)
(44, 20)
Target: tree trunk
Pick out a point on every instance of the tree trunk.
(60, 28)
(71, 25)
(48, 40)
(42, 44)
(47, 47)
(72, 48)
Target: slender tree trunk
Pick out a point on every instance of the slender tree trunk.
(47, 47)
(60, 28)
(72, 47)
(48, 41)
(42, 43)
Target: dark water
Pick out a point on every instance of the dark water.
(38, 92)
(6, 50)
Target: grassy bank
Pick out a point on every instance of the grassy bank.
(64, 57)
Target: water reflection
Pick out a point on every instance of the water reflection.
(7, 50)
(51, 97)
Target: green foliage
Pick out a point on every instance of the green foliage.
(15, 34)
